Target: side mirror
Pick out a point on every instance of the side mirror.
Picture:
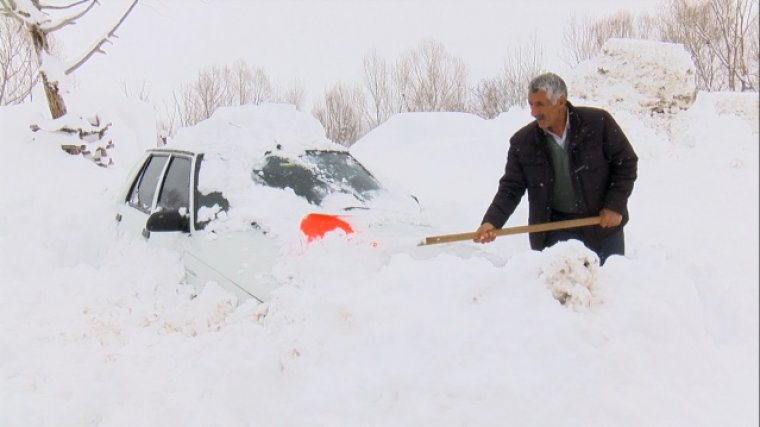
(167, 221)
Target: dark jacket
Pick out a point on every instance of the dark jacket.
(602, 164)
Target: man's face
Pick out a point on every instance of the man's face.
(548, 115)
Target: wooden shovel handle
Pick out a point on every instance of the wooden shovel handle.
(535, 228)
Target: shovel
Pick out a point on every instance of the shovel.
(535, 228)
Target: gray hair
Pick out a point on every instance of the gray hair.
(550, 83)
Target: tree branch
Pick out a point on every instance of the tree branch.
(9, 7)
(23, 14)
(54, 7)
(68, 20)
(103, 39)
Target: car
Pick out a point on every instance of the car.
(238, 191)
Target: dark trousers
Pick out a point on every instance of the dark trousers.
(613, 244)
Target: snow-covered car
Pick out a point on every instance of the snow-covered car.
(236, 192)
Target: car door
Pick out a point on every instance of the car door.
(140, 198)
(240, 261)
(162, 184)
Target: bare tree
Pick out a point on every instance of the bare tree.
(579, 42)
(378, 82)
(496, 95)
(293, 94)
(647, 26)
(17, 63)
(140, 92)
(431, 79)
(721, 36)
(677, 25)
(752, 45)
(185, 108)
(734, 21)
(341, 113)
(198, 100)
(249, 85)
(212, 90)
(489, 98)
(169, 121)
(242, 82)
(39, 23)
(524, 63)
(221, 86)
(584, 38)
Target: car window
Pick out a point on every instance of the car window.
(279, 172)
(208, 206)
(144, 188)
(344, 170)
(175, 191)
(318, 174)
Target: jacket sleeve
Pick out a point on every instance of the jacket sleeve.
(511, 189)
(623, 166)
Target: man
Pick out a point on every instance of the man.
(575, 162)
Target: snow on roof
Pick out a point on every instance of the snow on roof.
(255, 129)
(647, 76)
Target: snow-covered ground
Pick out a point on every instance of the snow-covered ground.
(97, 330)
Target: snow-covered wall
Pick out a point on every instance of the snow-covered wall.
(648, 76)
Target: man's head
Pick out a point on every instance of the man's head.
(547, 95)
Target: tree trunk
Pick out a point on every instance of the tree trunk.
(55, 101)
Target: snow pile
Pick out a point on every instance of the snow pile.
(122, 126)
(708, 120)
(421, 152)
(98, 330)
(570, 273)
(645, 76)
(743, 105)
(402, 136)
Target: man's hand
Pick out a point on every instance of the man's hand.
(609, 218)
(485, 233)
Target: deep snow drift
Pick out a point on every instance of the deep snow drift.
(96, 329)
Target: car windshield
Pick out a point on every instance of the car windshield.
(317, 175)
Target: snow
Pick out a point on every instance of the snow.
(234, 141)
(423, 152)
(646, 76)
(96, 328)
(739, 105)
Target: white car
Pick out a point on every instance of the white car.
(238, 191)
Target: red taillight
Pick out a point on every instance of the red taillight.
(315, 225)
